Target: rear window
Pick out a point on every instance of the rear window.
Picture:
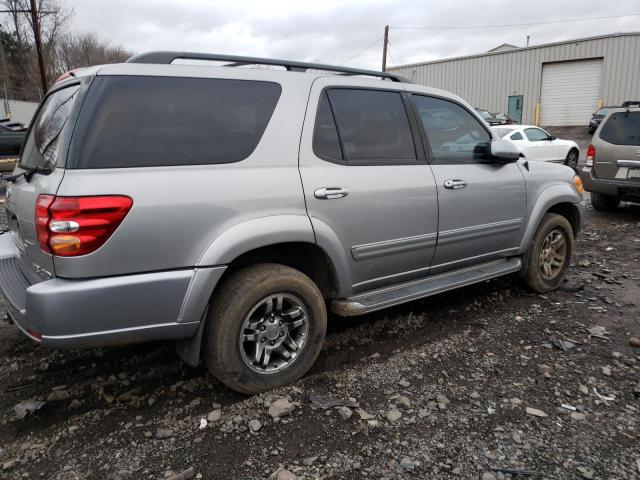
(138, 121)
(41, 148)
(501, 132)
(622, 128)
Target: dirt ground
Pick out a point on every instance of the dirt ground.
(445, 389)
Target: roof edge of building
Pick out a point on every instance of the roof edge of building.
(514, 50)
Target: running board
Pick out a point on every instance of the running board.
(424, 287)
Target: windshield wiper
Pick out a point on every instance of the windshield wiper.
(27, 173)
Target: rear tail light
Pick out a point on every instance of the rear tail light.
(72, 226)
(591, 155)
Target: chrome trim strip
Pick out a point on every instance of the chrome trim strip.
(448, 237)
(393, 247)
(374, 281)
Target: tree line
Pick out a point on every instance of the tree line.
(63, 48)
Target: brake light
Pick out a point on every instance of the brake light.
(73, 226)
(591, 155)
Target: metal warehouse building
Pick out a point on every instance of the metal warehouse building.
(556, 84)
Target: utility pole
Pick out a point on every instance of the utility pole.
(384, 48)
(36, 33)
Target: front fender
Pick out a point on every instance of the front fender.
(545, 200)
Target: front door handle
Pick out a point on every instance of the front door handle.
(452, 184)
(328, 193)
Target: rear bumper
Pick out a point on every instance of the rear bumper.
(111, 310)
(623, 189)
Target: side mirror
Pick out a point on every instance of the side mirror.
(503, 151)
(552, 137)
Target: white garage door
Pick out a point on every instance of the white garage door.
(570, 92)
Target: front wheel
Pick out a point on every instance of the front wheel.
(265, 328)
(550, 254)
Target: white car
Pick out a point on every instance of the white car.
(538, 144)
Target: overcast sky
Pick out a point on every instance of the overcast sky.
(335, 31)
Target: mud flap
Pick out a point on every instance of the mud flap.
(188, 349)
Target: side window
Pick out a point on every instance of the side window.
(372, 125)
(536, 134)
(326, 143)
(455, 135)
(516, 136)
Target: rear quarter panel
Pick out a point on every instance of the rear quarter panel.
(179, 211)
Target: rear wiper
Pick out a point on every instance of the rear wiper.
(27, 173)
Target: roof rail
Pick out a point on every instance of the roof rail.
(162, 57)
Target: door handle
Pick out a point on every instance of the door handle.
(452, 184)
(328, 193)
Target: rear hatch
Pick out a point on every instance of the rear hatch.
(41, 161)
(617, 153)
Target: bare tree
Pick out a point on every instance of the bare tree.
(85, 50)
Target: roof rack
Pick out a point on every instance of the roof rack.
(161, 57)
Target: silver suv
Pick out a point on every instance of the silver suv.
(228, 208)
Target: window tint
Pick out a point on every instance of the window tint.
(516, 136)
(372, 124)
(622, 128)
(136, 121)
(536, 134)
(326, 143)
(455, 135)
(41, 148)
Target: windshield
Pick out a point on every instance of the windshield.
(603, 111)
(41, 148)
(484, 114)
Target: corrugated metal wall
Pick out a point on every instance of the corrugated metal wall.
(486, 81)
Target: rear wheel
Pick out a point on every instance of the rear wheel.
(550, 254)
(604, 203)
(265, 328)
(572, 159)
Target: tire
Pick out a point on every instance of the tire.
(536, 277)
(572, 159)
(604, 203)
(240, 308)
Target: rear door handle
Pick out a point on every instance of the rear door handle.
(452, 184)
(329, 193)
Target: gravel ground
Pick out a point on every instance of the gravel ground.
(468, 385)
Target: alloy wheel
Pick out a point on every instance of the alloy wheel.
(274, 333)
(553, 254)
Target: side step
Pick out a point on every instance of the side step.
(424, 287)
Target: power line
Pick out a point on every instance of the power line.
(471, 27)
(361, 51)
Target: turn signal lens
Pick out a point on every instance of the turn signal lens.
(577, 181)
(72, 226)
(591, 155)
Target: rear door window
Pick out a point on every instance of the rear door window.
(622, 128)
(42, 147)
(145, 121)
(372, 125)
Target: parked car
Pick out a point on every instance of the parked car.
(538, 144)
(504, 119)
(612, 168)
(232, 229)
(488, 117)
(12, 136)
(597, 117)
(631, 103)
